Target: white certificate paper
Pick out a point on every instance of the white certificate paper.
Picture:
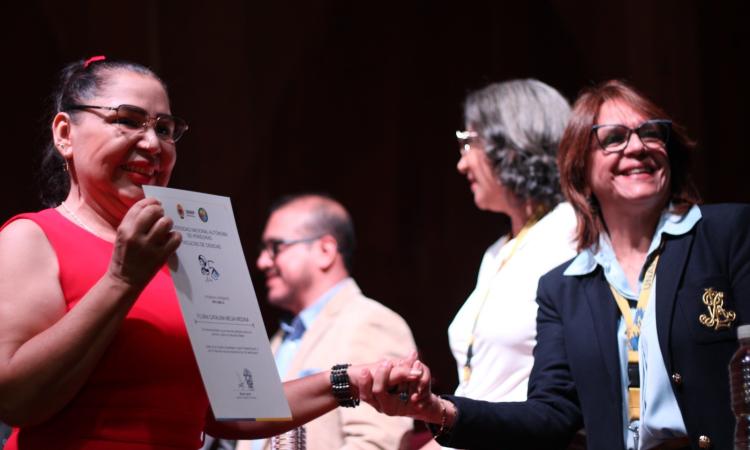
(220, 308)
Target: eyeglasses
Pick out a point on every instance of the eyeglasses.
(133, 119)
(276, 246)
(465, 140)
(653, 134)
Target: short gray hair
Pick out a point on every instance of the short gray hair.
(520, 123)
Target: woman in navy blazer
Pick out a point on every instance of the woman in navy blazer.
(623, 168)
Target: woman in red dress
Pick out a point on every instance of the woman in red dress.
(93, 350)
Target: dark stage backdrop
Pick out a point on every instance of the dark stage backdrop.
(360, 99)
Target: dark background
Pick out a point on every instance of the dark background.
(360, 99)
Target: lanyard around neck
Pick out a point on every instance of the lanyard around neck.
(633, 323)
(517, 242)
(633, 333)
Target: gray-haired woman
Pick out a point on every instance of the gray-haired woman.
(508, 154)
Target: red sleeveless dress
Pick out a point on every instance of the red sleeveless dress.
(146, 392)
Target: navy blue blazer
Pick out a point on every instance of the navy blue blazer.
(575, 380)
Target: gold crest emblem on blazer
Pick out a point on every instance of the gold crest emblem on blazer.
(717, 317)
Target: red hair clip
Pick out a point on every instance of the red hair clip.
(92, 60)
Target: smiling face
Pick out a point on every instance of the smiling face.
(108, 165)
(634, 180)
(289, 273)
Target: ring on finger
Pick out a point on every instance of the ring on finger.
(403, 396)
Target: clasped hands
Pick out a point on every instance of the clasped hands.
(399, 388)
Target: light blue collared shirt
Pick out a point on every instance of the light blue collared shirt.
(290, 344)
(661, 418)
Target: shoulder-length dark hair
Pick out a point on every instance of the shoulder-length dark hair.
(577, 140)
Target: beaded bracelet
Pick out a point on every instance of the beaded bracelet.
(444, 429)
(443, 419)
(341, 386)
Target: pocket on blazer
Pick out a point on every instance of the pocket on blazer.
(706, 306)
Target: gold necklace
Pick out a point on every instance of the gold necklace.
(76, 219)
(521, 235)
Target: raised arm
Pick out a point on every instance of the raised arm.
(46, 352)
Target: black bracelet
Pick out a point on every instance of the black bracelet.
(341, 388)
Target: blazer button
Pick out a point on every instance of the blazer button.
(677, 378)
(704, 442)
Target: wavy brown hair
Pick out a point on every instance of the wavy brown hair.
(578, 140)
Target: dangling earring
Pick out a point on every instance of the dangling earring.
(66, 163)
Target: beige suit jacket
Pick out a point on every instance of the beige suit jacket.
(351, 328)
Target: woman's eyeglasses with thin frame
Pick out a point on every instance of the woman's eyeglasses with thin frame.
(466, 139)
(134, 119)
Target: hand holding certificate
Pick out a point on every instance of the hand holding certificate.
(226, 330)
(221, 311)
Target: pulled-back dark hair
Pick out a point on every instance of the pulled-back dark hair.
(78, 81)
(520, 123)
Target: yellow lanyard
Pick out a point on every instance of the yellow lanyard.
(521, 235)
(633, 324)
(633, 330)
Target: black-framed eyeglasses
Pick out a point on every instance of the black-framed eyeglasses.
(653, 134)
(466, 139)
(134, 119)
(276, 246)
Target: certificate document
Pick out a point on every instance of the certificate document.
(220, 308)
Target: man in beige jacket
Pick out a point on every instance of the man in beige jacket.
(306, 254)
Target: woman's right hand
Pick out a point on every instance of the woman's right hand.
(143, 242)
